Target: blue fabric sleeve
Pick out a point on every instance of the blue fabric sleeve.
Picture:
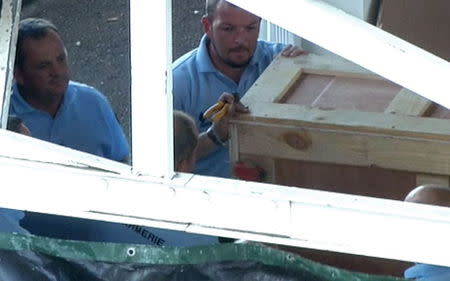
(119, 149)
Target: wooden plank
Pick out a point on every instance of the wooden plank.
(442, 180)
(349, 179)
(283, 72)
(351, 121)
(343, 147)
(234, 144)
(270, 88)
(409, 103)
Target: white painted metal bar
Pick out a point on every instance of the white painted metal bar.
(360, 42)
(151, 99)
(9, 18)
(18, 146)
(252, 211)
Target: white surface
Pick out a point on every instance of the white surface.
(151, 103)
(274, 33)
(360, 42)
(8, 35)
(252, 211)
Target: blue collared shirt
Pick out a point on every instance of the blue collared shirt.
(427, 272)
(84, 121)
(197, 85)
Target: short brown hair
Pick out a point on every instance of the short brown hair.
(211, 6)
(185, 136)
(31, 28)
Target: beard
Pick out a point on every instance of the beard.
(236, 64)
(230, 62)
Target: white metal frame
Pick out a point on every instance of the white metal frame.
(151, 101)
(8, 16)
(77, 184)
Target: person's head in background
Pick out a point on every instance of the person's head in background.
(185, 135)
(430, 194)
(41, 69)
(16, 124)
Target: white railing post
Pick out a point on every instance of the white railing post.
(151, 99)
(9, 18)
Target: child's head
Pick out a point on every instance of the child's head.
(185, 136)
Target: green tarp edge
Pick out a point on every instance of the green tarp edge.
(143, 254)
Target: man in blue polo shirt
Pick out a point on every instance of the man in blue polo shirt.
(60, 111)
(228, 59)
(56, 109)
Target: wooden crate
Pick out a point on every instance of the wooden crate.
(325, 123)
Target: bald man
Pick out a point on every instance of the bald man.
(432, 195)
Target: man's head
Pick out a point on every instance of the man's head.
(41, 69)
(185, 142)
(430, 194)
(233, 33)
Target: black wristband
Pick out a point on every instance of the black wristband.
(214, 137)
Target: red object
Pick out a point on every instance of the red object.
(248, 172)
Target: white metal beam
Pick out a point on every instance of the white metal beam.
(9, 17)
(252, 211)
(360, 42)
(151, 99)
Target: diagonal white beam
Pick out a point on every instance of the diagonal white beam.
(360, 42)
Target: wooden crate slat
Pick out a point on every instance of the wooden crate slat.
(441, 180)
(409, 103)
(341, 147)
(351, 121)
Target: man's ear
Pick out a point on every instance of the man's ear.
(207, 24)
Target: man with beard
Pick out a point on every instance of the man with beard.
(229, 59)
(54, 108)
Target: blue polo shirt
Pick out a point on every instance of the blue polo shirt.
(84, 121)
(9, 221)
(197, 85)
(427, 272)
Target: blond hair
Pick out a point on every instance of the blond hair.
(185, 136)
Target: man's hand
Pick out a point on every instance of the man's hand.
(292, 51)
(221, 127)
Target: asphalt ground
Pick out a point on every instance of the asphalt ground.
(97, 38)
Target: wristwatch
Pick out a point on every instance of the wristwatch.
(211, 133)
